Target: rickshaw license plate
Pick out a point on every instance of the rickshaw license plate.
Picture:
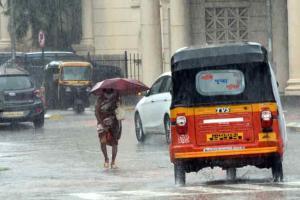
(224, 136)
(13, 114)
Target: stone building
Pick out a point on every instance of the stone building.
(156, 28)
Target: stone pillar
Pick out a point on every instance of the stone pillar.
(180, 24)
(280, 42)
(87, 41)
(293, 83)
(4, 34)
(151, 40)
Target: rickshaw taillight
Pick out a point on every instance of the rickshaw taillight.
(181, 124)
(266, 119)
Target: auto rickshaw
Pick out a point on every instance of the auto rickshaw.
(225, 111)
(67, 84)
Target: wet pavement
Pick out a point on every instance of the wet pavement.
(63, 161)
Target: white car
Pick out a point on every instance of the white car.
(152, 112)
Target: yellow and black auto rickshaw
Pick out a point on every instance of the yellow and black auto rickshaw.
(67, 84)
(225, 111)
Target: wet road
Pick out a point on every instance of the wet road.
(63, 161)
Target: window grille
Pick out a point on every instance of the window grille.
(225, 25)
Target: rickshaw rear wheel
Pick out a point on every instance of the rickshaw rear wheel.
(179, 174)
(139, 133)
(231, 174)
(167, 129)
(277, 170)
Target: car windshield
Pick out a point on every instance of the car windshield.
(76, 73)
(15, 83)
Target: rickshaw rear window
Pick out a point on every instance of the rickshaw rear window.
(247, 83)
(220, 82)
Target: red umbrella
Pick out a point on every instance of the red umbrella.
(122, 85)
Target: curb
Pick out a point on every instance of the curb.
(294, 126)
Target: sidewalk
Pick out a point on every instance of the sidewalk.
(291, 108)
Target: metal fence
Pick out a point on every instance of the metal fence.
(129, 63)
(125, 65)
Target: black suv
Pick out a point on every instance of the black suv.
(19, 99)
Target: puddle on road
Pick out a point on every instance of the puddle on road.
(54, 117)
(92, 196)
(197, 192)
(4, 169)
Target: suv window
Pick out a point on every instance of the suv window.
(15, 83)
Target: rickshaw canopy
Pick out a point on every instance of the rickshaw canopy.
(221, 54)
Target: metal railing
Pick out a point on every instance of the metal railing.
(129, 63)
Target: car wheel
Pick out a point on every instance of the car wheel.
(231, 174)
(140, 136)
(167, 128)
(79, 108)
(39, 122)
(179, 174)
(277, 171)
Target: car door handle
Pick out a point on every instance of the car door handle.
(152, 101)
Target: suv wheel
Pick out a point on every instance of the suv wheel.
(39, 122)
(140, 136)
(167, 129)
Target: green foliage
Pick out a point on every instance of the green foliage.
(59, 19)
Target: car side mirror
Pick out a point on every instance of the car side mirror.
(144, 93)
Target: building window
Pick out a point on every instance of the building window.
(135, 3)
(225, 25)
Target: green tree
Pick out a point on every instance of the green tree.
(59, 19)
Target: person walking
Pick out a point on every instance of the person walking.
(108, 126)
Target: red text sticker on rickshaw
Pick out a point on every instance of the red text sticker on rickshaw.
(207, 77)
(232, 86)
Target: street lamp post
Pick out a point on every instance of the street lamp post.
(13, 31)
(269, 29)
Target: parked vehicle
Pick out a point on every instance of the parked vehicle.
(34, 62)
(225, 111)
(152, 112)
(67, 84)
(20, 100)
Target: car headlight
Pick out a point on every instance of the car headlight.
(68, 89)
